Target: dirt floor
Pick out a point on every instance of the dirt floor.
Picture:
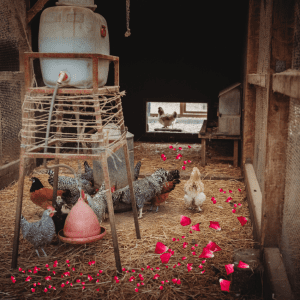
(94, 264)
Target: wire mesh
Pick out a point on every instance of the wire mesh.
(87, 123)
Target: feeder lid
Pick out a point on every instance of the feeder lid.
(81, 3)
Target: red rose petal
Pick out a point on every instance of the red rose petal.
(234, 210)
(196, 227)
(183, 167)
(229, 268)
(170, 147)
(206, 253)
(189, 146)
(160, 248)
(213, 247)
(242, 220)
(214, 225)
(242, 265)
(225, 284)
(184, 221)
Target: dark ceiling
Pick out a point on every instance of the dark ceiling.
(176, 51)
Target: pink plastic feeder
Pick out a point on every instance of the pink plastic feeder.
(82, 225)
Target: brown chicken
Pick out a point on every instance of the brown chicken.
(166, 119)
(42, 196)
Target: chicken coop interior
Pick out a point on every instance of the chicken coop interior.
(149, 149)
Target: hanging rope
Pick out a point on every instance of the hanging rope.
(127, 33)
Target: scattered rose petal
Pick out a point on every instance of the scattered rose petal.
(138, 284)
(62, 285)
(203, 261)
(228, 199)
(148, 267)
(29, 271)
(212, 246)
(67, 282)
(78, 280)
(116, 278)
(56, 262)
(136, 289)
(142, 283)
(170, 147)
(157, 268)
(45, 290)
(47, 266)
(189, 161)
(13, 279)
(202, 272)
(194, 253)
(224, 192)
(178, 281)
(28, 278)
(20, 269)
(184, 221)
(235, 205)
(233, 210)
(239, 204)
(39, 283)
(242, 265)
(196, 227)
(67, 261)
(151, 269)
(98, 290)
(196, 245)
(132, 270)
(33, 290)
(214, 201)
(80, 274)
(156, 276)
(167, 267)
(123, 269)
(100, 271)
(185, 162)
(83, 287)
(173, 239)
(23, 271)
(229, 268)
(214, 225)
(174, 280)
(239, 190)
(183, 237)
(213, 198)
(184, 257)
(160, 248)
(225, 284)
(117, 281)
(83, 283)
(180, 148)
(221, 190)
(73, 269)
(178, 264)
(177, 240)
(167, 281)
(183, 167)
(189, 146)
(34, 284)
(192, 248)
(67, 265)
(200, 266)
(97, 280)
(161, 287)
(164, 158)
(242, 220)
(48, 269)
(172, 252)
(50, 286)
(206, 253)
(174, 266)
(189, 269)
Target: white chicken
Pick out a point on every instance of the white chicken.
(194, 190)
(166, 119)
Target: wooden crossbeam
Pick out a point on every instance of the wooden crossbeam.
(35, 9)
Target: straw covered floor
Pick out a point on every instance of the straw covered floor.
(94, 264)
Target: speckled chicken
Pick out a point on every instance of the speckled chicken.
(147, 188)
(88, 175)
(69, 183)
(62, 211)
(99, 204)
(39, 233)
(194, 190)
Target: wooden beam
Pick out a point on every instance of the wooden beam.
(38, 6)
(203, 151)
(203, 128)
(249, 93)
(287, 83)
(257, 79)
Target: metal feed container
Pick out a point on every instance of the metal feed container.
(118, 177)
(229, 110)
(72, 27)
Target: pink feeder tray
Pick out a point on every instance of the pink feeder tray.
(84, 240)
(81, 225)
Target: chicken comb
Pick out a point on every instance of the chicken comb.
(82, 194)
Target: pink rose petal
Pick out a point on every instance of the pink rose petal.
(184, 221)
(230, 191)
(225, 284)
(185, 162)
(189, 161)
(242, 265)
(170, 147)
(212, 246)
(164, 158)
(136, 289)
(206, 253)
(184, 257)
(178, 281)
(189, 146)
(174, 280)
(165, 257)
(234, 210)
(239, 204)
(33, 290)
(196, 227)
(203, 261)
(45, 290)
(235, 205)
(200, 266)
(173, 239)
(138, 284)
(194, 253)
(151, 269)
(196, 245)
(224, 192)
(123, 269)
(160, 248)
(142, 283)
(161, 287)
(214, 201)
(242, 220)
(214, 225)
(229, 268)
(239, 190)
(183, 167)
(174, 149)
(67, 261)
(178, 264)
(202, 272)
(180, 148)
(117, 281)
(221, 190)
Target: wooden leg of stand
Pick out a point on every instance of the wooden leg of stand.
(18, 210)
(110, 207)
(235, 153)
(130, 183)
(203, 146)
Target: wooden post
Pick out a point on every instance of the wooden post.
(18, 210)
(277, 127)
(95, 75)
(235, 153)
(203, 151)
(130, 183)
(103, 159)
(117, 73)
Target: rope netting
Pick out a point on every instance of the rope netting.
(87, 123)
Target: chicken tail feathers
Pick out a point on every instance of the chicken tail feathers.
(137, 170)
(87, 168)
